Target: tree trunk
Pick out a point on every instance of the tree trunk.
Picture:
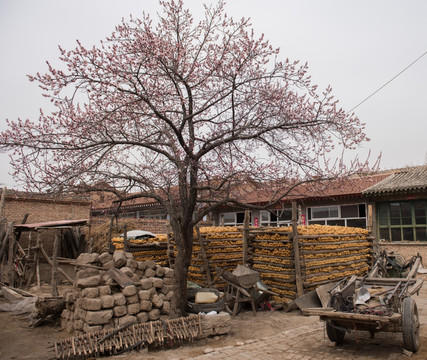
(184, 242)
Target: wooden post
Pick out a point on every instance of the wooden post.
(39, 246)
(110, 234)
(369, 219)
(11, 256)
(54, 281)
(90, 245)
(2, 200)
(6, 240)
(125, 238)
(204, 256)
(295, 242)
(246, 222)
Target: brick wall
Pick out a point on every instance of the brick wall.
(406, 249)
(39, 211)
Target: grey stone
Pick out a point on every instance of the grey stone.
(160, 271)
(142, 265)
(86, 258)
(133, 309)
(109, 264)
(120, 311)
(166, 289)
(91, 281)
(119, 299)
(142, 317)
(154, 314)
(127, 320)
(127, 271)
(129, 255)
(145, 294)
(91, 292)
(87, 272)
(157, 282)
(104, 290)
(151, 264)
(91, 304)
(145, 305)
(132, 299)
(88, 328)
(146, 284)
(107, 301)
(105, 257)
(132, 264)
(98, 317)
(129, 290)
(166, 308)
(169, 273)
(149, 273)
(119, 259)
(157, 301)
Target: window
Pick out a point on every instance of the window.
(402, 220)
(233, 218)
(280, 217)
(343, 215)
(152, 214)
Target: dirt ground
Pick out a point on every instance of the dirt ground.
(19, 341)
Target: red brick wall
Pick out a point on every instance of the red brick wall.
(39, 211)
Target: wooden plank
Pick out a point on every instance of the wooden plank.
(11, 255)
(295, 242)
(120, 277)
(204, 257)
(54, 280)
(62, 272)
(246, 221)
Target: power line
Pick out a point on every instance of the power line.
(388, 82)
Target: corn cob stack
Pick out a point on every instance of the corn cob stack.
(146, 249)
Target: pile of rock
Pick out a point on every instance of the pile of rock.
(115, 290)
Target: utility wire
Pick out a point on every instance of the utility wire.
(388, 82)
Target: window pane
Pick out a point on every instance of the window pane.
(361, 223)
(395, 214)
(362, 210)
(316, 222)
(408, 234)
(421, 234)
(349, 211)
(396, 234)
(240, 217)
(420, 212)
(229, 218)
(324, 212)
(406, 214)
(336, 222)
(383, 217)
(285, 215)
(264, 216)
(385, 234)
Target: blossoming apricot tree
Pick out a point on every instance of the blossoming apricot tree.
(180, 112)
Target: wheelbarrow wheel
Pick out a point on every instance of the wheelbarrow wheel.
(410, 325)
(334, 334)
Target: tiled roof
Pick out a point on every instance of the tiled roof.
(410, 179)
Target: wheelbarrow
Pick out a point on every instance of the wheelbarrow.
(243, 285)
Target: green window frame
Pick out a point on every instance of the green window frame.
(402, 220)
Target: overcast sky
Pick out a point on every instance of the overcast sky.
(354, 46)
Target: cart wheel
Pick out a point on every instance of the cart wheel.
(335, 335)
(410, 325)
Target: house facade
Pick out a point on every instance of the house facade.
(392, 204)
